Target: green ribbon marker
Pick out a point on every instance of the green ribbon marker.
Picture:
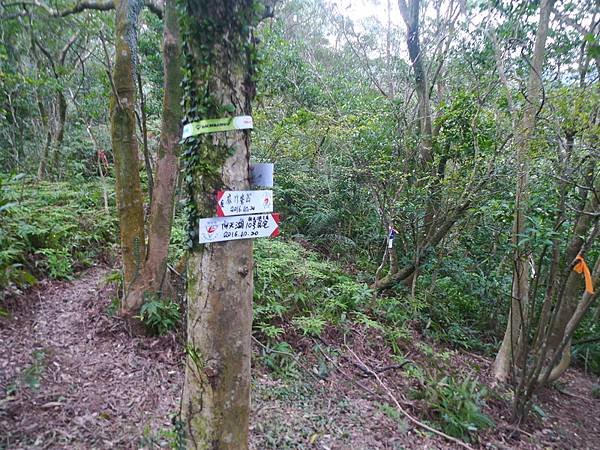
(217, 125)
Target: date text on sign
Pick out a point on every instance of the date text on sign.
(233, 203)
(218, 229)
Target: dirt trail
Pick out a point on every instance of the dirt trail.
(71, 377)
(75, 379)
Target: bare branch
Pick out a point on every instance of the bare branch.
(68, 45)
(364, 59)
(46, 54)
(155, 6)
(97, 5)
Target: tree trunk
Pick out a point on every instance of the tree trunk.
(512, 342)
(57, 64)
(410, 15)
(432, 233)
(571, 296)
(61, 103)
(42, 167)
(122, 114)
(167, 168)
(219, 59)
(144, 131)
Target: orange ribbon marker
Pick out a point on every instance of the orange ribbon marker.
(581, 267)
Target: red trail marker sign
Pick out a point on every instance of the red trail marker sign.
(218, 229)
(235, 203)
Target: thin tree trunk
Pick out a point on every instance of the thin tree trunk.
(512, 341)
(219, 65)
(122, 113)
(144, 131)
(100, 169)
(42, 167)
(57, 64)
(570, 298)
(167, 169)
(59, 138)
(410, 14)
(45, 154)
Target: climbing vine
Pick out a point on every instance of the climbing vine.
(227, 42)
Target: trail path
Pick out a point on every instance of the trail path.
(71, 377)
(76, 379)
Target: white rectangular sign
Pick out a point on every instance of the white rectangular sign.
(217, 125)
(261, 174)
(217, 229)
(235, 203)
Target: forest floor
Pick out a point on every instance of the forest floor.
(71, 377)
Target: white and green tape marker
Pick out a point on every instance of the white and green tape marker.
(217, 125)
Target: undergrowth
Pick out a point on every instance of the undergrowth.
(294, 285)
(455, 404)
(297, 287)
(159, 315)
(50, 230)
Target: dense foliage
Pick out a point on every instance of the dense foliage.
(339, 113)
(51, 230)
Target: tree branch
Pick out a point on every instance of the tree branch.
(405, 413)
(68, 45)
(155, 6)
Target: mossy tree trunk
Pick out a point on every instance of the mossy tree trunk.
(130, 201)
(219, 54)
(143, 270)
(167, 168)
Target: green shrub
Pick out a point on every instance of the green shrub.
(292, 284)
(456, 405)
(159, 315)
(451, 312)
(311, 326)
(57, 262)
(279, 358)
(50, 229)
(586, 347)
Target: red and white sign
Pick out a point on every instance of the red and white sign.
(235, 203)
(217, 229)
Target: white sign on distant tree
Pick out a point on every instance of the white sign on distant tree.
(234, 203)
(261, 174)
(217, 229)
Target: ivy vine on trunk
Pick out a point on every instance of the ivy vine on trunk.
(219, 64)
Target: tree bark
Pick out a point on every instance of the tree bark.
(42, 167)
(570, 297)
(122, 115)
(167, 169)
(219, 58)
(410, 15)
(61, 119)
(512, 341)
(143, 123)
